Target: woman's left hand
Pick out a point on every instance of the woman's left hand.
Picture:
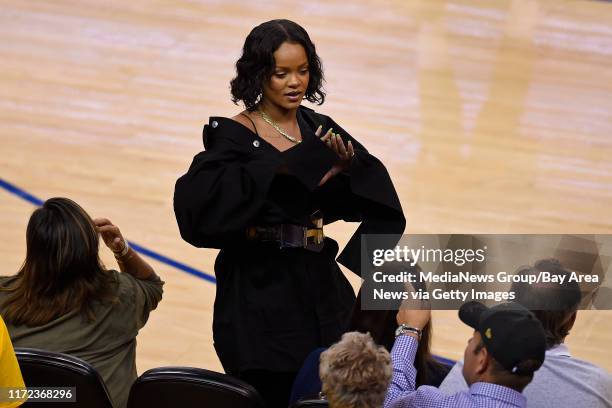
(333, 140)
(344, 152)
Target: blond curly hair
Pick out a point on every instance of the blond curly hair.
(355, 372)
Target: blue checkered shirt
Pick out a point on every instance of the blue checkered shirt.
(402, 392)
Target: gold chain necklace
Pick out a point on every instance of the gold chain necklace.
(275, 125)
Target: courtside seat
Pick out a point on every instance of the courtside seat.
(41, 368)
(186, 387)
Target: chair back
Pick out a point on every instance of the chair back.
(41, 368)
(187, 387)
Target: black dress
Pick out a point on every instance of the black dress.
(274, 306)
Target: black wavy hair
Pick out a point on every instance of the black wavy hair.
(256, 64)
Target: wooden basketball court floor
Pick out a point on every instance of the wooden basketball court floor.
(491, 116)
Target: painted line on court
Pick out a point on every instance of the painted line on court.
(20, 193)
(13, 189)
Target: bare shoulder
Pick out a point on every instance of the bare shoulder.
(243, 119)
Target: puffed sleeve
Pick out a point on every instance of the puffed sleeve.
(365, 191)
(222, 192)
(378, 203)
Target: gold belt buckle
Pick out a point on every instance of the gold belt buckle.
(318, 222)
(319, 237)
(316, 233)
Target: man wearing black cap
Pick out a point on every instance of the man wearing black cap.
(577, 383)
(507, 347)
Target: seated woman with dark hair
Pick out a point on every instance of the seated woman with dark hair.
(64, 300)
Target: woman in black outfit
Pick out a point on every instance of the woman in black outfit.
(267, 182)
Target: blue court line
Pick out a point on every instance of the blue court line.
(20, 193)
(147, 252)
(172, 262)
(13, 189)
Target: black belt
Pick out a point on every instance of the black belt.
(289, 235)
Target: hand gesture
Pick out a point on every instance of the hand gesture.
(345, 152)
(417, 318)
(333, 140)
(413, 312)
(110, 234)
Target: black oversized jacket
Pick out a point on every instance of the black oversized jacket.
(273, 306)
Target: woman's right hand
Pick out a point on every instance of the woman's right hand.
(110, 234)
(129, 262)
